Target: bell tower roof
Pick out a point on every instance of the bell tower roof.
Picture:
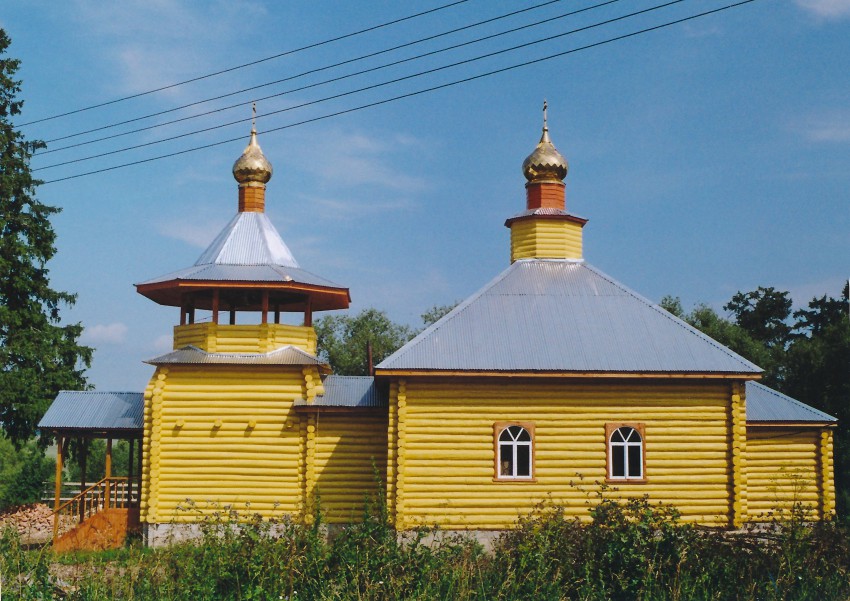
(252, 167)
(545, 164)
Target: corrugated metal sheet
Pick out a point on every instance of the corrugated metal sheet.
(545, 211)
(767, 405)
(192, 355)
(244, 273)
(349, 391)
(561, 315)
(97, 411)
(249, 239)
(248, 249)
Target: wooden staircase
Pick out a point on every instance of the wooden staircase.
(106, 512)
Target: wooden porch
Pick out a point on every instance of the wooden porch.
(104, 512)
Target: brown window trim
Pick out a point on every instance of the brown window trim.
(498, 427)
(609, 430)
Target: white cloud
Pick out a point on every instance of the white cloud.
(337, 208)
(830, 127)
(355, 159)
(826, 9)
(163, 344)
(153, 43)
(112, 333)
(197, 234)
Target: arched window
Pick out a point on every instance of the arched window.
(514, 452)
(625, 452)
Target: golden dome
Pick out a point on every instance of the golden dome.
(545, 164)
(252, 166)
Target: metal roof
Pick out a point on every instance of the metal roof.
(96, 411)
(563, 316)
(249, 239)
(349, 391)
(767, 405)
(248, 249)
(214, 272)
(285, 355)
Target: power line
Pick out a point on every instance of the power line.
(416, 93)
(271, 83)
(321, 83)
(250, 64)
(363, 89)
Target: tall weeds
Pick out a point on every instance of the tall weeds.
(630, 549)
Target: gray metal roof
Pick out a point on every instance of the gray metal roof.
(249, 239)
(349, 391)
(546, 211)
(285, 355)
(248, 249)
(244, 273)
(767, 405)
(563, 316)
(96, 411)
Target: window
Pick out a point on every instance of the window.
(514, 451)
(626, 457)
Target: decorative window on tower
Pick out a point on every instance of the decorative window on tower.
(514, 451)
(626, 458)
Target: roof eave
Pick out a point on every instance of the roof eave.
(568, 374)
(121, 433)
(790, 424)
(170, 292)
(565, 217)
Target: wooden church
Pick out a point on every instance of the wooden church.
(549, 381)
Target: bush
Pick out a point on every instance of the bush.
(628, 549)
(22, 473)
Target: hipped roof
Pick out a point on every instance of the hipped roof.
(563, 316)
(248, 254)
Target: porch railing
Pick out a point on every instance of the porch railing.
(112, 492)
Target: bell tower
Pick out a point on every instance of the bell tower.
(545, 230)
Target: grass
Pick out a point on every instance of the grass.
(630, 550)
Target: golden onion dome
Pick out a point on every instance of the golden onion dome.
(545, 164)
(252, 166)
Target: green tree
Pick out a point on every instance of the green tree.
(817, 372)
(764, 314)
(727, 333)
(436, 313)
(38, 356)
(342, 340)
(22, 472)
(96, 461)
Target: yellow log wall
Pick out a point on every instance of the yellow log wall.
(348, 451)
(248, 338)
(545, 239)
(445, 459)
(784, 467)
(222, 436)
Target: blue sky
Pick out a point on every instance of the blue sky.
(710, 157)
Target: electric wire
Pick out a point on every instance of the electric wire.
(412, 94)
(271, 83)
(249, 64)
(363, 89)
(321, 83)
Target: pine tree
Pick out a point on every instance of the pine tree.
(38, 355)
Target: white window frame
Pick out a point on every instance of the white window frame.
(501, 428)
(628, 444)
